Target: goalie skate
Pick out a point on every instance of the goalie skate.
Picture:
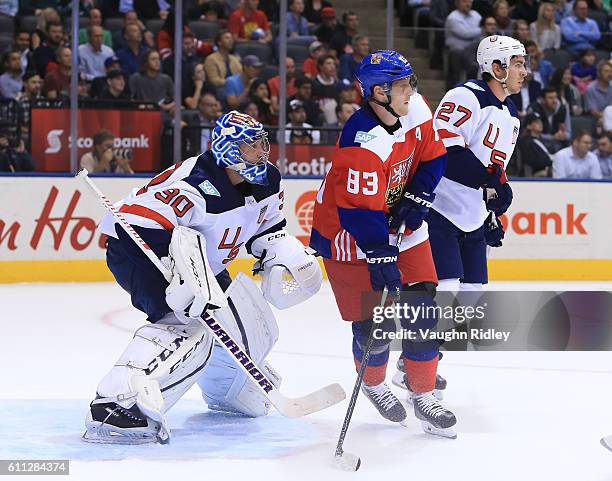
(385, 402)
(400, 379)
(435, 419)
(110, 423)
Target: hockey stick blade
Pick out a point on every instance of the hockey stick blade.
(347, 462)
(311, 403)
(606, 442)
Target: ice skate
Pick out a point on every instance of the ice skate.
(400, 379)
(111, 423)
(434, 418)
(385, 401)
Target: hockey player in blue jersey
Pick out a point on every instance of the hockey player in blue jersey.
(479, 125)
(225, 198)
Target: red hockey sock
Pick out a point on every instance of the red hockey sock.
(422, 374)
(374, 375)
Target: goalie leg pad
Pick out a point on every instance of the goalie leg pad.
(250, 321)
(159, 365)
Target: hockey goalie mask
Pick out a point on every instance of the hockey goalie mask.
(240, 143)
(501, 50)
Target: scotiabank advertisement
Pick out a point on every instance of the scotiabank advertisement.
(304, 159)
(135, 130)
(554, 230)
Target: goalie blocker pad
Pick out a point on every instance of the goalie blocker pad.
(291, 275)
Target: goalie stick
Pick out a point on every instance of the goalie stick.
(348, 461)
(288, 407)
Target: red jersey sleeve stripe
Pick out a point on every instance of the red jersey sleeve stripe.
(141, 211)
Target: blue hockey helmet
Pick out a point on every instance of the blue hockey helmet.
(382, 68)
(234, 130)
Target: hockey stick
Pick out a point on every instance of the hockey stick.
(288, 407)
(343, 460)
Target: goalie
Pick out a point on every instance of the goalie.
(195, 216)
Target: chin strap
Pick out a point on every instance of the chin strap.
(386, 106)
(503, 81)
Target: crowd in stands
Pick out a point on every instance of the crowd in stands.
(229, 61)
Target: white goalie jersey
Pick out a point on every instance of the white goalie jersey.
(477, 129)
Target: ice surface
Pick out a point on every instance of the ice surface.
(521, 416)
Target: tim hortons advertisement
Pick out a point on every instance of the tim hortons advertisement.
(55, 218)
(138, 131)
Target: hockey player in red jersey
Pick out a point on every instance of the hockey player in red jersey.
(387, 163)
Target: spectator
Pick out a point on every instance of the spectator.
(532, 149)
(297, 25)
(348, 93)
(103, 158)
(343, 113)
(309, 67)
(329, 26)
(22, 43)
(313, 10)
(577, 161)
(304, 95)
(604, 154)
(598, 95)
(584, 71)
(195, 86)
(151, 85)
(462, 28)
(9, 8)
(529, 94)
(489, 28)
(274, 83)
(526, 10)
(580, 32)
(325, 88)
(342, 41)
(93, 54)
(211, 11)
(95, 18)
(237, 86)
(501, 12)
(562, 9)
(188, 58)
(45, 17)
(521, 31)
(206, 116)
(541, 68)
(544, 30)
(11, 82)
(32, 87)
(250, 108)
(99, 83)
(44, 54)
(57, 82)
(165, 39)
(120, 40)
(298, 130)
(349, 62)
(249, 23)
(130, 55)
(567, 92)
(14, 159)
(222, 64)
(147, 8)
(556, 131)
(438, 11)
(607, 118)
(259, 92)
(114, 90)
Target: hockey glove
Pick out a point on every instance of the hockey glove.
(493, 231)
(411, 210)
(382, 264)
(497, 192)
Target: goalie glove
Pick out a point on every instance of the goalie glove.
(290, 274)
